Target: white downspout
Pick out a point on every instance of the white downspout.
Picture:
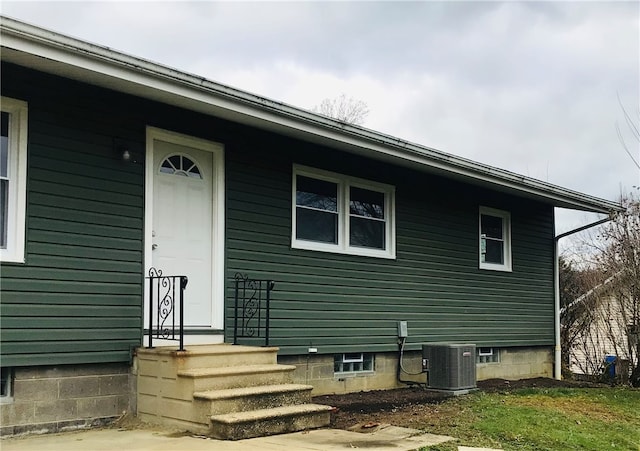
(557, 360)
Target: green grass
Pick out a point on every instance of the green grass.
(542, 419)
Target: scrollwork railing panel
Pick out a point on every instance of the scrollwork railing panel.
(166, 307)
(252, 308)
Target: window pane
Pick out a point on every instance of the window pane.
(314, 225)
(494, 252)
(5, 382)
(352, 357)
(491, 226)
(4, 145)
(194, 172)
(369, 204)
(187, 164)
(368, 362)
(167, 167)
(316, 193)
(176, 161)
(4, 205)
(366, 233)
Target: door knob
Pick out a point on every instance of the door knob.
(154, 246)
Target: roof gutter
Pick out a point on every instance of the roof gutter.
(584, 227)
(40, 42)
(557, 361)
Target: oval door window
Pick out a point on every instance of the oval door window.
(180, 165)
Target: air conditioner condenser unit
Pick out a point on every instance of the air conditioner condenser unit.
(450, 366)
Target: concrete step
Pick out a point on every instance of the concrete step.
(279, 420)
(209, 356)
(216, 402)
(226, 391)
(237, 376)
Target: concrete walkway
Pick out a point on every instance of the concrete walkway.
(389, 438)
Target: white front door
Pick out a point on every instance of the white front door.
(184, 239)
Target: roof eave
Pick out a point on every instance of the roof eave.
(104, 66)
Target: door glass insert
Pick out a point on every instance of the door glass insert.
(180, 165)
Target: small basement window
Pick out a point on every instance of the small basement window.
(487, 355)
(6, 384)
(353, 362)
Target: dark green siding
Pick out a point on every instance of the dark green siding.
(342, 303)
(77, 297)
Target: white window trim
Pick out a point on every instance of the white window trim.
(506, 218)
(344, 183)
(493, 356)
(8, 397)
(363, 372)
(350, 359)
(17, 172)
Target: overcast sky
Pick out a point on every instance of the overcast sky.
(531, 87)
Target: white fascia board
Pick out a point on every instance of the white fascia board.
(138, 76)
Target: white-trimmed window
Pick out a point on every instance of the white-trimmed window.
(6, 385)
(338, 213)
(13, 179)
(487, 355)
(355, 362)
(495, 239)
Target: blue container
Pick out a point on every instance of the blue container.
(610, 365)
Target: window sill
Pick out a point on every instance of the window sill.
(338, 376)
(11, 258)
(491, 267)
(362, 252)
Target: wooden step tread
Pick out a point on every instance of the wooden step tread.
(267, 414)
(230, 393)
(235, 370)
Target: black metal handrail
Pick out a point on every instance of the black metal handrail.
(252, 308)
(163, 318)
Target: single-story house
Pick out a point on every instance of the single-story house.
(113, 165)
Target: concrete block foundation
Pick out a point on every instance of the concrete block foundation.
(66, 397)
(519, 363)
(318, 370)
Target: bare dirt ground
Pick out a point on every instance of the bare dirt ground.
(405, 407)
(413, 407)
